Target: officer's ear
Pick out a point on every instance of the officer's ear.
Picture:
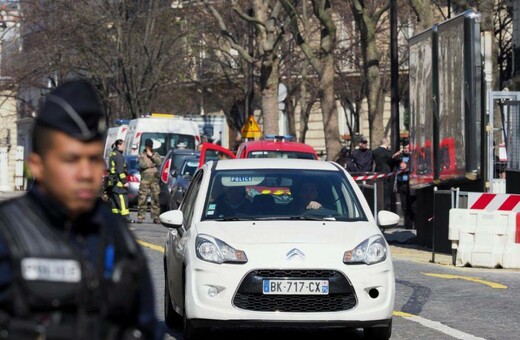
(36, 165)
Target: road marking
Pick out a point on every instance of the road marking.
(437, 326)
(151, 246)
(468, 278)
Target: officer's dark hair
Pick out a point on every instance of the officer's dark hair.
(42, 139)
(117, 143)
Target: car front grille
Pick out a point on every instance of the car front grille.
(250, 297)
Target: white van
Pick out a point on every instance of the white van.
(166, 134)
(113, 134)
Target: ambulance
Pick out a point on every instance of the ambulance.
(165, 132)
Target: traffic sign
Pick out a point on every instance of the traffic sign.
(251, 129)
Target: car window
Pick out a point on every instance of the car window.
(132, 163)
(162, 141)
(189, 167)
(281, 194)
(188, 203)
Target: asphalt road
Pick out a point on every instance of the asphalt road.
(433, 301)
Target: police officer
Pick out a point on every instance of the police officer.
(403, 184)
(149, 160)
(117, 183)
(69, 268)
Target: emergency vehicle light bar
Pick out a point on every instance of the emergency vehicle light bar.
(278, 138)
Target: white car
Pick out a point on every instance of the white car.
(277, 242)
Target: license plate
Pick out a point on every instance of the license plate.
(296, 287)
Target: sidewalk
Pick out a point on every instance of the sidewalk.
(4, 195)
(403, 247)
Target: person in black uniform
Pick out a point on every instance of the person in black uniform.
(117, 183)
(69, 268)
(363, 157)
(384, 164)
(402, 159)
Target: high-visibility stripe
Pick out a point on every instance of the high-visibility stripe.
(483, 201)
(510, 203)
(124, 209)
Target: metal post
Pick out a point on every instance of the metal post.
(375, 201)
(394, 70)
(250, 91)
(433, 225)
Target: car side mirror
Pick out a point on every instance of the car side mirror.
(172, 219)
(387, 219)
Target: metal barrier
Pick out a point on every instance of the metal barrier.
(372, 187)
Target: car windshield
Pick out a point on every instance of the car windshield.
(281, 154)
(281, 194)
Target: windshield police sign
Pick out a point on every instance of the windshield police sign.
(55, 270)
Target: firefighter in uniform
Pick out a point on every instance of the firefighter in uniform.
(149, 160)
(69, 268)
(117, 182)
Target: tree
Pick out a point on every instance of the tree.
(121, 45)
(267, 20)
(321, 59)
(367, 19)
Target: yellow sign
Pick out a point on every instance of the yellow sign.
(251, 129)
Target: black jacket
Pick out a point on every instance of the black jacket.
(111, 299)
(117, 172)
(363, 159)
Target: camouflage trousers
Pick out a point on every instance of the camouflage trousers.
(148, 186)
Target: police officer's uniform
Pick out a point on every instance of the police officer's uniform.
(149, 183)
(116, 182)
(71, 279)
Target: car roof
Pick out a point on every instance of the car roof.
(274, 145)
(273, 163)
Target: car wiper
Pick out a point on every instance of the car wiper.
(310, 218)
(235, 218)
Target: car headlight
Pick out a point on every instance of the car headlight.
(370, 251)
(212, 249)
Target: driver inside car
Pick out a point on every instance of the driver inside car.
(306, 197)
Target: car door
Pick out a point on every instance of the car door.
(211, 152)
(179, 240)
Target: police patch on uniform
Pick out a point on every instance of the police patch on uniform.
(56, 270)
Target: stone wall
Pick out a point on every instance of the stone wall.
(8, 141)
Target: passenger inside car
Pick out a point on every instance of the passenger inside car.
(264, 205)
(232, 202)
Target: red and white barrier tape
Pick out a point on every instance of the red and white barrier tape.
(377, 175)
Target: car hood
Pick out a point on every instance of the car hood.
(238, 233)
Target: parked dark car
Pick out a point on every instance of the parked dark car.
(172, 162)
(182, 179)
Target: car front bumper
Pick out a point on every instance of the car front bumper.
(203, 279)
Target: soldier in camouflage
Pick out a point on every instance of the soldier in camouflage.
(149, 161)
